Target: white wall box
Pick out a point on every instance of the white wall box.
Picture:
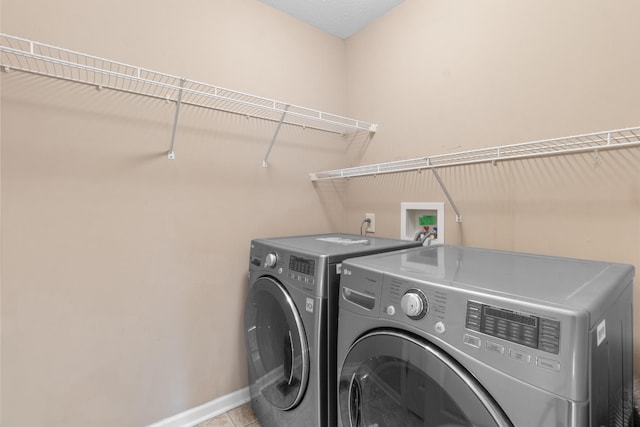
(414, 216)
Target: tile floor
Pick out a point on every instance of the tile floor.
(242, 416)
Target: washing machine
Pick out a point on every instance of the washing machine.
(291, 321)
(457, 336)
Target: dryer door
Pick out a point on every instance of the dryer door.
(392, 379)
(276, 344)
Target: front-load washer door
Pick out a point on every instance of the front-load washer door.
(277, 348)
(393, 379)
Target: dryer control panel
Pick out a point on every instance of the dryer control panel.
(296, 269)
(302, 265)
(520, 328)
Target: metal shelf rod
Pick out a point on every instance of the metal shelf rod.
(172, 155)
(273, 140)
(446, 193)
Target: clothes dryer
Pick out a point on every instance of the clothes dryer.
(455, 336)
(291, 321)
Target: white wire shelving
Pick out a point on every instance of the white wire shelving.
(588, 142)
(51, 61)
(606, 140)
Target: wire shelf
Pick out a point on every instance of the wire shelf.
(38, 58)
(614, 139)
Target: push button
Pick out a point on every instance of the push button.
(495, 348)
(471, 340)
(548, 364)
(519, 355)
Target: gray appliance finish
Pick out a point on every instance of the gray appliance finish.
(290, 318)
(449, 335)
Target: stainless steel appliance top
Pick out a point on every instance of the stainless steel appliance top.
(574, 284)
(337, 246)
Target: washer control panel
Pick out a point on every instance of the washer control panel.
(520, 328)
(414, 304)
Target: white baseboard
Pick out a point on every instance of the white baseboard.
(201, 413)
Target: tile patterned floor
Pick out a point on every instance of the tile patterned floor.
(242, 416)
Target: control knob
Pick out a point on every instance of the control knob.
(270, 260)
(414, 304)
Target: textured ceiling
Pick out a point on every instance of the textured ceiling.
(342, 18)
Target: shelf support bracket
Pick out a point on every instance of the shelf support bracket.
(275, 135)
(446, 193)
(172, 155)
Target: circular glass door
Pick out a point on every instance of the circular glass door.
(276, 344)
(392, 379)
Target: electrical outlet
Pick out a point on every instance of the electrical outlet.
(371, 227)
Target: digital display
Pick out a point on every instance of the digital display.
(511, 316)
(531, 331)
(302, 265)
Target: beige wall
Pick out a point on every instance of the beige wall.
(445, 76)
(124, 273)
